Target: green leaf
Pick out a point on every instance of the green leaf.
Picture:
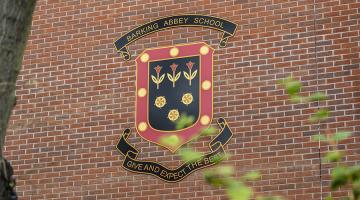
(221, 157)
(292, 86)
(341, 135)
(329, 198)
(296, 99)
(356, 189)
(172, 140)
(188, 155)
(252, 176)
(333, 156)
(211, 178)
(318, 96)
(339, 177)
(225, 170)
(208, 131)
(238, 191)
(355, 172)
(320, 115)
(219, 176)
(321, 138)
(184, 121)
(269, 198)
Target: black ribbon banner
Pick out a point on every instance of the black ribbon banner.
(174, 175)
(171, 22)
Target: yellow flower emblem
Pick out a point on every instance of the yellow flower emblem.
(173, 114)
(160, 101)
(187, 98)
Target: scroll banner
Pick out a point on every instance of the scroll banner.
(223, 25)
(174, 175)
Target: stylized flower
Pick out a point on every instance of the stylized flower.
(160, 101)
(187, 98)
(173, 67)
(158, 69)
(173, 114)
(190, 65)
(191, 75)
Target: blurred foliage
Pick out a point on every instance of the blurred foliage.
(317, 96)
(208, 131)
(269, 198)
(184, 121)
(171, 140)
(189, 155)
(236, 188)
(218, 176)
(223, 176)
(342, 174)
(320, 115)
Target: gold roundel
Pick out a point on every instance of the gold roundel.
(206, 85)
(160, 101)
(142, 126)
(205, 120)
(142, 92)
(173, 114)
(145, 57)
(187, 98)
(204, 50)
(174, 52)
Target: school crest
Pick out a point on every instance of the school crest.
(171, 82)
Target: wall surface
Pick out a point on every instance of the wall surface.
(75, 96)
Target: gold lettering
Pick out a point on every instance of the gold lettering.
(209, 22)
(175, 21)
(173, 175)
(151, 168)
(156, 169)
(143, 31)
(163, 173)
(206, 160)
(196, 20)
(139, 167)
(129, 163)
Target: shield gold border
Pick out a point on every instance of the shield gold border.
(205, 52)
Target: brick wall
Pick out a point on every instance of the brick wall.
(76, 96)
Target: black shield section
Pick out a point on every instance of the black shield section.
(158, 117)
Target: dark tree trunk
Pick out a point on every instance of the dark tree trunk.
(15, 21)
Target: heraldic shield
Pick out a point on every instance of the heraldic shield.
(171, 82)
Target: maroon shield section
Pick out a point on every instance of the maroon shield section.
(174, 79)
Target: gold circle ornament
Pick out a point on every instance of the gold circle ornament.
(142, 126)
(160, 101)
(174, 52)
(205, 120)
(142, 92)
(173, 114)
(206, 85)
(204, 50)
(145, 57)
(187, 98)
